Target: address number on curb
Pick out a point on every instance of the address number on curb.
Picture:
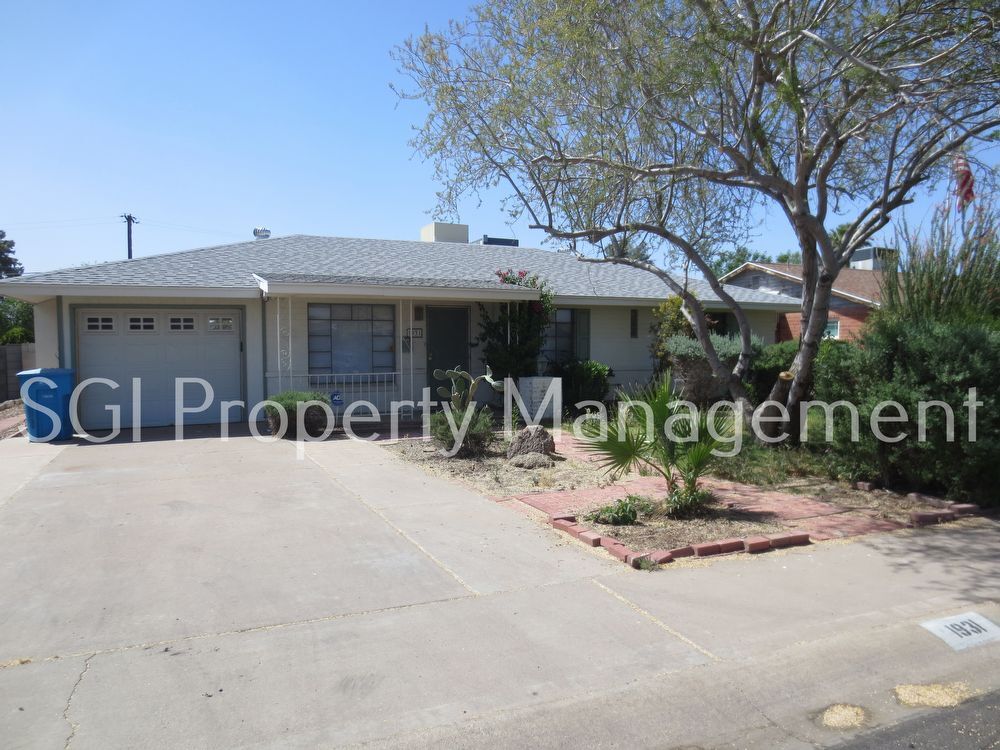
(964, 631)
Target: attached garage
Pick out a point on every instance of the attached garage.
(158, 345)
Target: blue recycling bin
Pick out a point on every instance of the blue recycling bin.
(53, 395)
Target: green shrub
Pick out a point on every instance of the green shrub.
(681, 456)
(622, 512)
(479, 438)
(777, 358)
(686, 502)
(908, 363)
(765, 367)
(727, 347)
(17, 335)
(690, 365)
(290, 402)
(668, 321)
(583, 380)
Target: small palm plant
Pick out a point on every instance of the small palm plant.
(657, 432)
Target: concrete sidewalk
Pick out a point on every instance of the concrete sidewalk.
(210, 594)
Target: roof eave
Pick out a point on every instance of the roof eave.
(507, 294)
(793, 277)
(38, 292)
(710, 305)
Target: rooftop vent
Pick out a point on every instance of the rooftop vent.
(261, 233)
(505, 241)
(438, 231)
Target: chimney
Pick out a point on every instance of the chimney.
(441, 232)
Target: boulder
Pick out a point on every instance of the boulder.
(532, 461)
(532, 439)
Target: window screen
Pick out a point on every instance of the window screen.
(351, 338)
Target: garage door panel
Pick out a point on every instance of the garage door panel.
(157, 346)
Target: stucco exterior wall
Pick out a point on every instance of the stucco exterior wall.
(275, 337)
(47, 334)
(611, 343)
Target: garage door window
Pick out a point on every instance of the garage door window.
(182, 323)
(100, 323)
(141, 323)
(221, 325)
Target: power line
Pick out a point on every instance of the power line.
(60, 223)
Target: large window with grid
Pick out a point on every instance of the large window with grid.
(567, 337)
(351, 338)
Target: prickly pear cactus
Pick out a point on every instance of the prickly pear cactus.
(464, 386)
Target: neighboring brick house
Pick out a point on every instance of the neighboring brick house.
(856, 293)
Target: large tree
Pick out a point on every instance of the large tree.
(677, 119)
(9, 265)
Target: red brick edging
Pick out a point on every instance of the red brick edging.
(949, 511)
(567, 523)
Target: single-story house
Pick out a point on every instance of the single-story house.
(857, 291)
(360, 318)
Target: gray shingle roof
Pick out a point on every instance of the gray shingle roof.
(442, 264)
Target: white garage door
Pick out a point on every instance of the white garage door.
(157, 346)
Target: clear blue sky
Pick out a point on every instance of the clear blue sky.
(207, 119)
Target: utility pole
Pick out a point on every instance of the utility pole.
(130, 220)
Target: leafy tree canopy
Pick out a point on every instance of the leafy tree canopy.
(9, 265)
(725, 261)
(678, 118)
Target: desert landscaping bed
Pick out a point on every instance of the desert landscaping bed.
(494, 476)
(795, 511)
(660, 532)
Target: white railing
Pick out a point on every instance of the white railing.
(380, 388)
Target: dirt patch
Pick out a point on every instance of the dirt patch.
(493, 475)
(842, 716)
(717, 522)
(886, 504)
(947, 695)
(11, 418)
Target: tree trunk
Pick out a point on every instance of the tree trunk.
(791, 393)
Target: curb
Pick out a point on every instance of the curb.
(752, 545)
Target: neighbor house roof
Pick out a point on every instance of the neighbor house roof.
(345, 265)
(861, 284)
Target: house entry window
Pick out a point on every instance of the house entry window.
(832, 330)
(351, 338)
(567, 337)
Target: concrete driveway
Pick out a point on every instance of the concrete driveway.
(229, 594)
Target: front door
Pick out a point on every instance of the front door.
(447, 341)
